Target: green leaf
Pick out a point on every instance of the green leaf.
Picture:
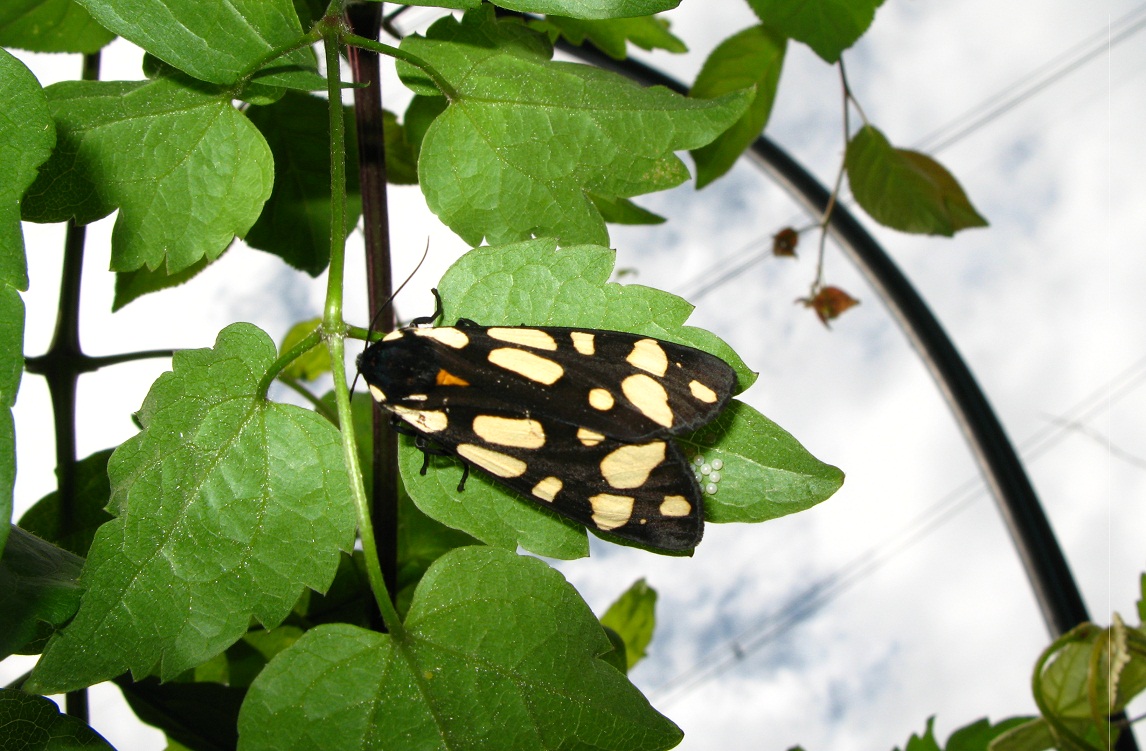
(27, 135)
(311, 365)
(38, 586)
(507, 165)
(227, 506)
(634, 617)
(532, 283)
(295, 223)
(624, 211)
(766, 473)
(613, 35)
(420, 114)
(498, 651)
(401, 157)
(132, 285)
(594, 9)
(753, 57)
(906, 190)
(34, 723)
(92, 494)
(197, 715)
(185, 169)
(1142, 598)
(50, 26)
(1032, 735)
(828, 26)
(926, 742)
(979, 735)
(216, 47)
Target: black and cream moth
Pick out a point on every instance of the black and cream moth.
(578, 420)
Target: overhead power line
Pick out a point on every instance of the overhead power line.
(845, 577)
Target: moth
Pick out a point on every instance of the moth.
(578, 420)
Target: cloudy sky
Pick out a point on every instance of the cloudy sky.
(902, 597)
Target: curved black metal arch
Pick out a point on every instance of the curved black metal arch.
(1054, 587)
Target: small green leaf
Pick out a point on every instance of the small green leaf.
(201, 43)
(828, 26)
(185, 169)
(591, 9)
(612, 36)
(979, 735)
(623, 211)
(50, 26)
(926, 742)
(634, 617)
(227, 506)
(906, 190)
(35, 723)
(132, 285)
(401, 156)
(295, 222)
(753, 57)
(505, 166)
(1142, 598)
(498, 651)
(766, 473)
(1032, 735)
(92, 493)
(38, 584)
(197, 715)
(311, 365)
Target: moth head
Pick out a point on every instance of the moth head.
(398, 367)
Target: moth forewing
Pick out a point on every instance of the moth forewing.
(578, 420)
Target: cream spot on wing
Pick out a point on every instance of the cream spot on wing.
(629, 466)
(524, 337)
(611, 511)
(510, 431)
(531, 366)
(588, 437)
(416, 398)
(649, 397)
(395, 334)
(376, 392)
(702, 392)
(547, 489)
(648, 355)
(675, 505)
(583, 342)
(600, 399)
(428, 421)
(494, 462)
(446, 335)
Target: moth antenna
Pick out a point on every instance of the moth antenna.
(389, 301)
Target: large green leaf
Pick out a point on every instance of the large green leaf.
(906, 190)
(525, 140)
(27, 135)
(827, 26)
(50, 26)
(35, 723)
(38, 586)
(185, 169)
(498, 651)
(220, 43)
(227, 506)
(753, 57)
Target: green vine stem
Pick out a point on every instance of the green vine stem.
(334, 327)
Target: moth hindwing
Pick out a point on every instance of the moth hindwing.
(578, 420)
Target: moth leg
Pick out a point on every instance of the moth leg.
(465, 476)
(429, 320)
